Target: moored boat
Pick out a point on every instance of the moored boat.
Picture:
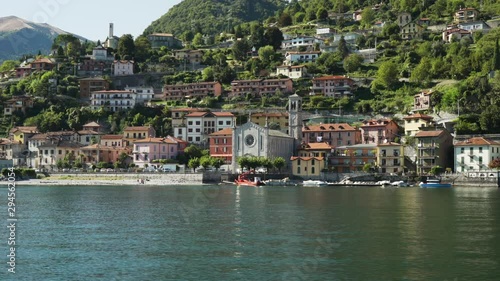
(434, 183)
(310, 183)
(245, 180)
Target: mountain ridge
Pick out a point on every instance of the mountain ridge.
(19, 37)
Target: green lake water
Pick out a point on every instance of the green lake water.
(246, 233)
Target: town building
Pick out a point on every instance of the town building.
(409, 29)
(333, 86)
(21, 134)
(315, 149)
(301, 41)
(123, 67)
(292, 71)
(17, 103)
(94, 84)
(179, 115)
(277, 119)
(114, 100)
(168, 40)
(422, 100)
(353, 158)
(221, 145)
(465, 15)
(377, 131)
(300, 57)
(94, 126)
(143, 95)
(199, 125)
(259, 87)
(434, 148)
(131, 134)
(474, 26)
(95, 153)
(42, 64)
(414, 123)
(192, 90)
(390, 157)
(112, 140)
(340, 134)
(307, 167)
(149, 149)
(475, 154)
(112, 40)
(455, 34)
(189, 58)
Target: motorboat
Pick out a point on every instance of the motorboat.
(311, 183)
(434, 183)
(245, 180)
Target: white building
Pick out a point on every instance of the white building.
(123, 67)
(301, 57)
(302, 41)
(475, 154)
(201, 124)
(114, 100)
(142, 95)
(292, 71)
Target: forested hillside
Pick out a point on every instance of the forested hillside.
(213, 16)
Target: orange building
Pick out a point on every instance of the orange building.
(221, 145)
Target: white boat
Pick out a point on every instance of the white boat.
(400, 184)
(434, 183)
(310, 183)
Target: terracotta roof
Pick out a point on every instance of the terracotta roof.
(102, 147)
(92, 124)
(423, 134)
(203, 113)
(389, 144)
(376, 122)
(318, 145)
(39, 137)
(307, 158)
(270, 114)
(477, 141)
(328, 127)
(418, 116)
(111, 137)
(5, 141)
(88, 132)
(25, 129)
(114, 92)
(223, 132)
(137, 128)
(156, 140)
(332, 77)
(42, 60)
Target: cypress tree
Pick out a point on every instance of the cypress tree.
(496, 57)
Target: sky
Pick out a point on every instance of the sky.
(91, 18)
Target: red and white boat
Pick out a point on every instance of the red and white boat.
(245, 180)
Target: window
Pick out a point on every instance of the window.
(190, 123)
(228, 123)
(480, 149)
(190, 139)
(198, 139)
(198, 122)
(462, 150)
(60, 152)
(221, 123)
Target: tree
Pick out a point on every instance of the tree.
(8, 65)
(194, 163)
(387, 74)
(198, 40)
(496, 56)
(266, 54)
(367, 16)
(322, 14)
(274, 37)
(217, 162)
(342, 48)
(353, 62)
(422, 74)
(257, 35)
(126, 47)
(285, 20)
(240, 49)
(205, 162)
(142, 49)
(208, 74)
(279, 163)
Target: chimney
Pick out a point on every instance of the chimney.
(111, 30)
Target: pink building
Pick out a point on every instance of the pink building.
(95, 153)
(149, 149)
(379, 131)
(332, 86)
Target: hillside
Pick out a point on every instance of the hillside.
(213, 16)
(19, 37)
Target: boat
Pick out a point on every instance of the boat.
(434, 183)
(311, 183)
(245, 180)
(400, 184)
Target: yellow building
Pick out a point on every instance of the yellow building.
(390, 157)
(20, 135)
(131, 134)
(414, 122)
(307, 167)
(280, 118)
(316, 149)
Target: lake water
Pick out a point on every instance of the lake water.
(268, 233)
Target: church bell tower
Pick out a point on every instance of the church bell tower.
(295, 117)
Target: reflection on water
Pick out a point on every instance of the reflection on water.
(268, 233)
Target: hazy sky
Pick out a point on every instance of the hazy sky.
(91, 18)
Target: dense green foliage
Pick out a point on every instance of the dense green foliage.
(213, 16)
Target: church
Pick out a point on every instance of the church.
(251, 139)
